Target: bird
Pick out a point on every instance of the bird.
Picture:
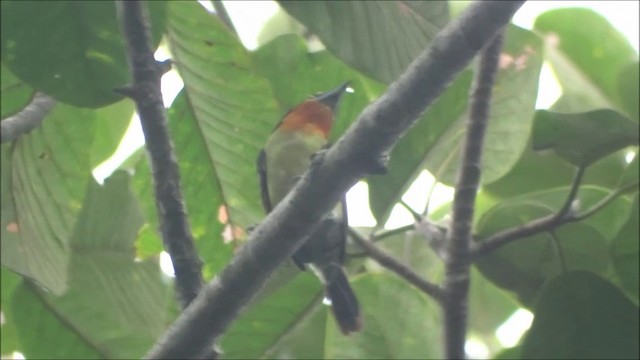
(286, 156)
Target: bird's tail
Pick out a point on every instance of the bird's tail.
(344, 303)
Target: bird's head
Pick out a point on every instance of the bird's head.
(315, 114)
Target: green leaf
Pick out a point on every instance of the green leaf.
(625, 253)
(631, 173)
(14, 95)
(8, 336)
(306, 340)
(352, 31)
(70, 50)
(111, 124)
(435, 141)
(489, 306)
(628, 92)
(234, 108)
(287, 57)
(407, 158)
(271, 319)
(523, 266)
(581, 316)
(115, 306)
(512, 110)
(540, 171)
(400, 322)
(40, 333)
(587, 54)
(44, 179)
(581, 139)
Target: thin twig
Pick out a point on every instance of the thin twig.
(223, 15)
(397, 267)
(575, 185)
(416, 216)
(145, 91)
(425, 212)
(27, 119)
(392, 232)
(605, 201)
(547, 223)
(457, 261)
(332, 173)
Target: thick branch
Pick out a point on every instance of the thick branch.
(27, 119)
(457, 259)
(145, 91)
(397, 267)
(332, 173)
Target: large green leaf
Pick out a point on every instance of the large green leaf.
(512, 109)
(9, 281)
(408, 156)
(44, 177)
(70, 50)
(625, 253)
(306, 340)
(489, 306)
(435, 141)
(628, 90)
(400, 322)
(266, 322)
(587, 55)
(583, 138)
(525, 265)
(14, 95)
(581, 316)
(544, 170)
(234, 108)
(631, 172)
(111, 124)
(379, 38)
(115, 306)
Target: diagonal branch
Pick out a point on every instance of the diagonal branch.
(332, 173)
(457, 260)
(397, 267)
(145, 91)
(27, 119)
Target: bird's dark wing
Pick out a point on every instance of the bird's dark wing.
(262, 174)
(344, 227)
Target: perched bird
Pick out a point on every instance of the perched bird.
(302, 132)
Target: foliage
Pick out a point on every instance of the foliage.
(80, 274)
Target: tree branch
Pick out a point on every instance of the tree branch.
(145, 91)
(331, 174)
(27, 119)
(457, 259)
(389, 233)
(546, 223)
(397, 267)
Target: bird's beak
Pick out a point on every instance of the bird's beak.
(332, 97)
